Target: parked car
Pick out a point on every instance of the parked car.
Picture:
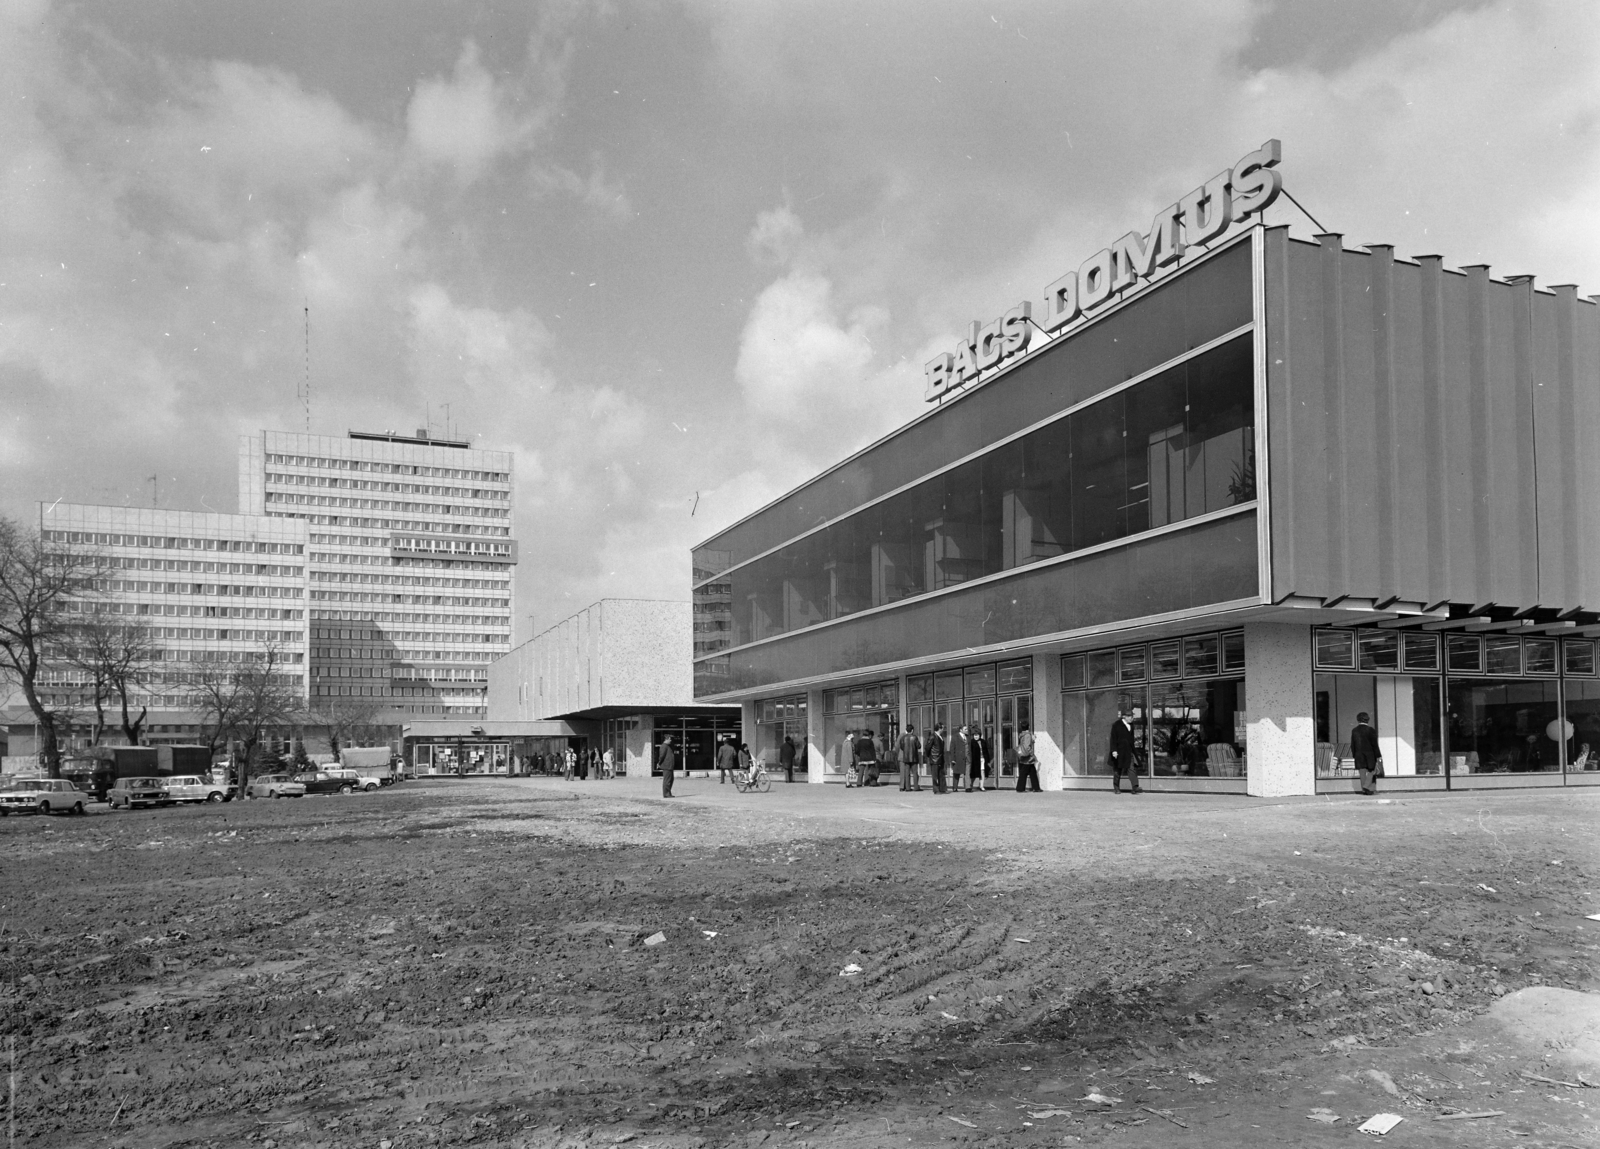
(129, 793)
(330, 781)
(359, 779)
(275, 786)
(41, 795)
(195, 788)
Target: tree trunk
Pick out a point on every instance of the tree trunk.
(133, 729)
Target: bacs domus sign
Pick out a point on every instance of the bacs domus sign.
(1199, 218)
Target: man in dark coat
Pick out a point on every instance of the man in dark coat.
(1364, 749)
(934, 752)
(1121, 757)
(956, 752)
(910, 759)
(669, 764)
(786, 758)
(1027, 761)
(727, 759)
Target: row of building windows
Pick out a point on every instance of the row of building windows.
(393, 524)
(314, 461)
(1196, 656)
(184, 610)
(401, 672)
(214, 634)
(270, 570)
(219, 590)
(164, 542)
(452, 581)
(395, 488)
(452, 510)
(1500, 655)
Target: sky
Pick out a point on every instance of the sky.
(678, 255)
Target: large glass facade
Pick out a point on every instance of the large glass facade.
(1187, 697)
(849, 713)
(777, 720)
(1458, 705)
(994, 700)
(1173, 447)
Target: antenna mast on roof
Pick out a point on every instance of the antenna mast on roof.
(306, 397)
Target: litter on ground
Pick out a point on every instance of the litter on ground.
(1380, 1123)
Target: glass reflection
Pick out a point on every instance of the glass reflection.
(1171, 448)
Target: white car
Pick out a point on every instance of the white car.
(194, 788)
(42, 795)
(276, 786)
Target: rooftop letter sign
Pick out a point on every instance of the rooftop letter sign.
(1197, 220)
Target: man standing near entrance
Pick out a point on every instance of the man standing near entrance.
(934, 752)
(1364, 749)
(1027, 762)
(786, 758)
(669, 764)
(1121, 757)
(910, 759)
(727, 759)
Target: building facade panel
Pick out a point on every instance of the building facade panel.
(1423, 445)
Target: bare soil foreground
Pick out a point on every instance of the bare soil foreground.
(472, 963)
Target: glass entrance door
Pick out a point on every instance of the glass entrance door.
(1016, 711)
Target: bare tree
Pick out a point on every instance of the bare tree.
(37, 582)
(244, 702)
(117, 659)
(347, 719)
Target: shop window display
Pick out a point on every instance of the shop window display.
(1504, 726)
(1189, 714)
(1583, 726)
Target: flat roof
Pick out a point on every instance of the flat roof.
(419, 440)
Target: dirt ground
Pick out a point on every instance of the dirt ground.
(472, 963)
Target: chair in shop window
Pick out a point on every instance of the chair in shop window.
(1223, 760)
(1325, 763)
(1584, 760)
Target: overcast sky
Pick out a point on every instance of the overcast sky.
(678, 255)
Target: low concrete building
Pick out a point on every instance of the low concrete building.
(619, 675)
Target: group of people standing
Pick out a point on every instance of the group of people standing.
(965, 755)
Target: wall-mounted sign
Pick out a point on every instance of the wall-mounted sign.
(1199, 219)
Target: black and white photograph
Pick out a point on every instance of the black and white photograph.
(715, 574)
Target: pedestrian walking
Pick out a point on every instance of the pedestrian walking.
(1364, 749)
(978, 753)
(608, 764)
(570, 761)
(867, 759)
(1027, 763)
(727, 760)
(669, 763)
(745, 762)
(910, 759)
(1121, 757)
(786, 758)
(933, 751)
(958, 752)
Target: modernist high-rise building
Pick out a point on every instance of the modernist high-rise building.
(212, 589)
(409, 563)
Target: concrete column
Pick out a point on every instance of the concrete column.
(1047, 733)
(1281, 739)
(747, 724)
(816, 753)
(637, 753)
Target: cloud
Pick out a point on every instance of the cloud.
(468, 121)
(775, 237)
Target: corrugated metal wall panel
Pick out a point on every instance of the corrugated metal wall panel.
(1433, 433)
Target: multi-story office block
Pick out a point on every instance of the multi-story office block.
(213, 589)
(410, 561)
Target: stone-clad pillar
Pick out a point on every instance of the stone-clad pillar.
(1047, 734)
(816, 746)
(1278, 699)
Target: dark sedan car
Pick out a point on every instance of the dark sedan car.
(322, 782)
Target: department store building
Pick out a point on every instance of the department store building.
(1247, 485)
